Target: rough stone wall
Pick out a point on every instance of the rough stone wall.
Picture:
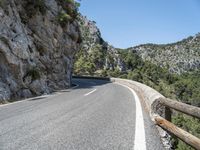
(36, 52)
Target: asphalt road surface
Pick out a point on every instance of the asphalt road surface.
(96, 115)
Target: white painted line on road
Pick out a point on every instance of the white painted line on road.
(90, 92)
(140, 139)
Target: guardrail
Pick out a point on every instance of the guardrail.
(160, 108)
(89, 77)
(173, 129)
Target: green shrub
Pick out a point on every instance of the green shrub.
(34, 74)
(84, 67)
(41, 49)
(115, 73)
(135, 75)
(2, 3)
(33, 6)
(104, 73)
(189, 124)
(63, 18)
(123, 76)
(71, 8)
(5, 40)
(77, 5)
(70, 1)
(40, 5)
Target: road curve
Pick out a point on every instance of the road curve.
(96, 115)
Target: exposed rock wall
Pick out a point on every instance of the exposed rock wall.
(36, 51)
(93, 45)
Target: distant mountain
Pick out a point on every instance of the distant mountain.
(178, 57)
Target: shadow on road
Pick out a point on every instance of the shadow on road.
(76, 84)
(37, 98)
(89, 83)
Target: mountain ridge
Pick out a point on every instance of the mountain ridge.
(177, 57)
(188, 51)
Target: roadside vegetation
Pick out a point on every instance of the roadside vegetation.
(184, 87)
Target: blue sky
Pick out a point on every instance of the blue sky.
(126, 23)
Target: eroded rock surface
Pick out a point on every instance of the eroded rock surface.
(36, 50)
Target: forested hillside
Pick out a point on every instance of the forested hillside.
(178, 57)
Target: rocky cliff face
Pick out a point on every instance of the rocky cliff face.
(95, 54)
(38, 41)
(177, 57)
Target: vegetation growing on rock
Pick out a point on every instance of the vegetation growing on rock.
(63, 18)
(177, 57)
(36, 52)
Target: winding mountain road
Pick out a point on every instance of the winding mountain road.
(96, 115)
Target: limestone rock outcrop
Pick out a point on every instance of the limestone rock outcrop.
(36, 50)
(97, 52)
(178, 57)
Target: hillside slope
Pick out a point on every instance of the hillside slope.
(38, 41)
(178, 57)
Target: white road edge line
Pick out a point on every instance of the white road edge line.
(140, 139)
(90, 92)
